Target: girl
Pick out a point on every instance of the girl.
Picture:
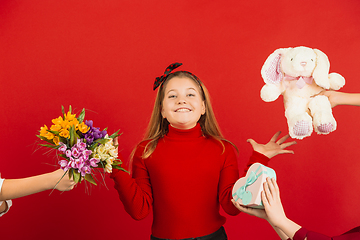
(285, 228)
(184, 169)
(15, 188)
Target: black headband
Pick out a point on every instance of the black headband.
(167, 72)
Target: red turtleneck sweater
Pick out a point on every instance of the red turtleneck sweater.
(185, 181)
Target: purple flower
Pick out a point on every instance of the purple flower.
(68, 153)
(89, 123)
(85, 170)
(87, 153)
(75, 152)
(93, 162)
(80, 145)
(62, 147)
(64, 165)
(93, 133)
(78, 157)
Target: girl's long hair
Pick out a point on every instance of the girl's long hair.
(159, 126)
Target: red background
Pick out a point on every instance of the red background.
(104, 56)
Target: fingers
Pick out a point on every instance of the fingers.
(276, 135)
(285, 151)
(288, 144)
(252, 142)
(116, 141)
(242, 208)
(270, 185)
(267, 192)
(264, 200)
(283, 139)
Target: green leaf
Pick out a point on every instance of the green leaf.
(63, 156)
(73, 138)
(115, 134)
(77, 176)
(120, 168)
(54, 132)
(45, 139)
(90, 179)
(101, 140)
(71, 172)
(70, 109)
(62, 110)
(81, 116)
(116, 162)
(49, 146)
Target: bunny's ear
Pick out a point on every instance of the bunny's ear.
(271, 70)
(321, 71)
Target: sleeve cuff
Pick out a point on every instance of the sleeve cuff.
(9, 204)
(300, 234)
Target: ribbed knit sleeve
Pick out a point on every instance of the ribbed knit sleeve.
(256, 157)
(228, 176)
(134, 192)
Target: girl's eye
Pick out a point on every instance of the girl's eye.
(191, 95)
(171, 96)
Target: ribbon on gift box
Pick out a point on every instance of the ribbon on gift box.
(244, 195)
(251, 177)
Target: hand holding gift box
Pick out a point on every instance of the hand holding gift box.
(247, 190)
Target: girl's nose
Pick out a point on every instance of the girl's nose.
(181, 101)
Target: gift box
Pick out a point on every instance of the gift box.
(247, 190)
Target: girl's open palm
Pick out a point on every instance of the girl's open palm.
(274, 146)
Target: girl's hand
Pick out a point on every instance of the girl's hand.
(116, 144)
(260, 213)
(273, 147)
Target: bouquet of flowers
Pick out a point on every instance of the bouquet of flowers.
(82, 146)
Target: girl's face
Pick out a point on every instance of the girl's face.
(182, 103)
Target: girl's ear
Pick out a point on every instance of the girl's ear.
(203, 108)
(162, 112)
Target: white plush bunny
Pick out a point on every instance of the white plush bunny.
(298, 74)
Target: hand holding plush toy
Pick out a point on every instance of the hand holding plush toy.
(299, 74)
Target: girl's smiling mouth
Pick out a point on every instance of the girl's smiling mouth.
(183, 110)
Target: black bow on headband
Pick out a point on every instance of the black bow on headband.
(168, 70)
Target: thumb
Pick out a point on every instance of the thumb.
(252, 142)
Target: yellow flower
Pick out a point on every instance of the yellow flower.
(43, 131)
(55, 128)
(65, 124)
(64, 133)
(69, 116)
(83, 127)
(57, 121)
(74, 123)
(49, 135)
(56, 140)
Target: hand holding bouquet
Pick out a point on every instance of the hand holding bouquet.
(82, 146)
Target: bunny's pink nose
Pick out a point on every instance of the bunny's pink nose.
(303, 64)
